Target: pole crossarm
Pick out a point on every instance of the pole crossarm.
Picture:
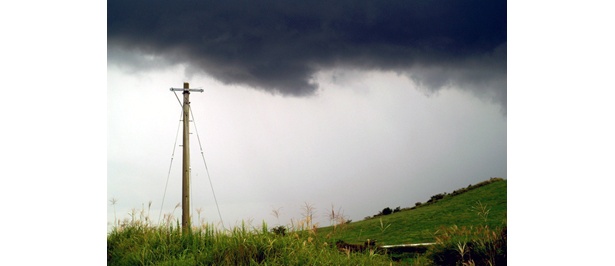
(186, 89)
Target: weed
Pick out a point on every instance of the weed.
(383, 227)
(308, 213)
(481, 210)
(276, 213)
(113, 202)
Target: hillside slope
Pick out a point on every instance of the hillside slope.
(484, 204)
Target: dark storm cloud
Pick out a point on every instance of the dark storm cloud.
(279, 45)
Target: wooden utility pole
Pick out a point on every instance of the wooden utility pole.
(186, 157)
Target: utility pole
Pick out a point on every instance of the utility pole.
(186, 157)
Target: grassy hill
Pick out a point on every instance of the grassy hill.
(481, 204)
(444, 216)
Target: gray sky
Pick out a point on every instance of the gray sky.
(361, 106)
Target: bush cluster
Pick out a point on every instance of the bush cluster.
(470, 187)
(385, 211)
(436, 197)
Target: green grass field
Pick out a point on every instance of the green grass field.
(467, 228)
(419, 225)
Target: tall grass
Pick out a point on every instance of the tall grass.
(140, 243)
(473, 245)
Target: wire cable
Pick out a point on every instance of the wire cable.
(206, 169)
(170, 165)
(180, 102)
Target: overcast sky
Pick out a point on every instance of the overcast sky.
(360, 105)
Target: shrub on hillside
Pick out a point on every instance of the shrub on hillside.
(436, 197)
